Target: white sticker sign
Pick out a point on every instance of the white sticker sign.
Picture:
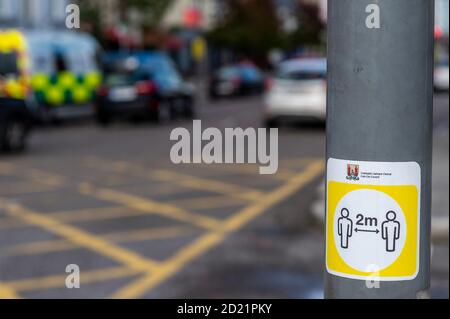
(373, 215)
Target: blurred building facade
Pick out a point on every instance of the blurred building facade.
(201, 14)
(33, 13)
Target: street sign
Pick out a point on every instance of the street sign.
(379, 148)
(373, 220)
(198, 48)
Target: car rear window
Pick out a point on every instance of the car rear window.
(251, 73)
(124, 79)
(300, 75)
(227, 73)
(8, 64)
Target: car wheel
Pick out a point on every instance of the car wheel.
(213, 97)
(14, 135)
(103, 119)
(271, 123)
(189, 112)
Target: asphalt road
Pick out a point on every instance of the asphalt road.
(138, 226)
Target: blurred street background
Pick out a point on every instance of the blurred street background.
(95, 185)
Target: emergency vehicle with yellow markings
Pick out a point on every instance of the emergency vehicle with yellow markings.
(15, 91)
(63, 72)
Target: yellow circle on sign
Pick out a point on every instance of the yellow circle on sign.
(406, 266)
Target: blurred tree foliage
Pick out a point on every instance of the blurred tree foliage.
(151, 11)
(311, 27)
(251, 28)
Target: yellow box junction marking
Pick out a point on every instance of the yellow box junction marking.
(152, 272)
(214, 238)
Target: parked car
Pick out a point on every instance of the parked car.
(236, 80)
(15, 92)
(297, 92)
(441, 75)
(142, 85)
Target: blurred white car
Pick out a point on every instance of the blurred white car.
(441, 76)
(298, 91)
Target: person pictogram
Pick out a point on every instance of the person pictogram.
(390, 231)
(345, 228)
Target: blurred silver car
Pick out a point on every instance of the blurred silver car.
(441, 75)
(298, 91)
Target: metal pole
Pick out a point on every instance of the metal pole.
(379, 148)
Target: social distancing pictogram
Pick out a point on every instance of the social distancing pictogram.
(372, 222)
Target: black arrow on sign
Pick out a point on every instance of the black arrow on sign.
(367, 231)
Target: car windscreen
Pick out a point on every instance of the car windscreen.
(162, 70)
(8, 64)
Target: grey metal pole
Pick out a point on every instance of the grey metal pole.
(379, 148)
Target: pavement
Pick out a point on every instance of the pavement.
(138, 226)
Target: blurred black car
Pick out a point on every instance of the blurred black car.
(236, 80)
(15, 112)
(143, 85)
(15, 124)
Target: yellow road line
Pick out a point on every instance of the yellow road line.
(38, 248)
(208, 185)
(58, 281)
(46, 178)
(214, 238)
(101, 213)
(208, 202)
(150, 206)
(117, 212)
(7, 292)
(252, 170)
(184, 180)
(78, 215)
(79, 237)
(58, 245)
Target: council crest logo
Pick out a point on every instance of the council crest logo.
(353, 172)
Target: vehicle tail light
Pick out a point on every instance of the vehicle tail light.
(145, 87)
(269, 84)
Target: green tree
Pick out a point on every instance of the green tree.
(152, 10)
(249, 27)
(311, 27)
